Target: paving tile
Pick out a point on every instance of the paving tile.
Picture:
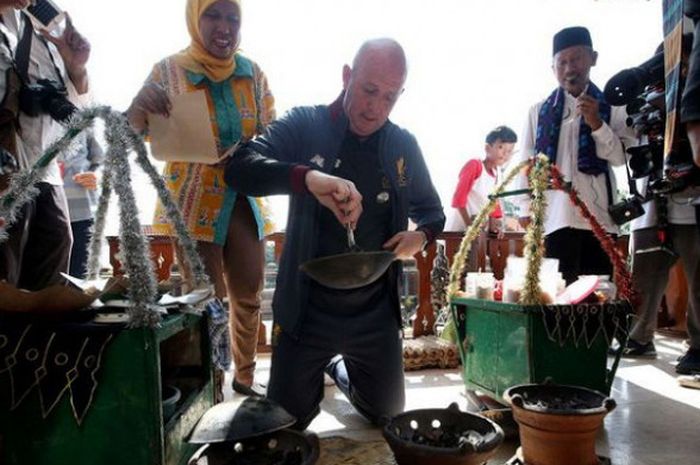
(656, 421)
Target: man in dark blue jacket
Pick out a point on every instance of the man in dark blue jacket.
(350, 158)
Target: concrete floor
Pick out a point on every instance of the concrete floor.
(656, 422)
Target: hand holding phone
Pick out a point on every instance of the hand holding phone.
(73, 47)
(75, 52)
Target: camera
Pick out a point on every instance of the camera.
(642, 90)
(626, 85)
(46, 97)
(626, 210)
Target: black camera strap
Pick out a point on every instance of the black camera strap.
(24, 49)
(608, 186)
(630, 182)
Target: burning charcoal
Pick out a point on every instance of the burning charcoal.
(434, 435)
(471, 437)
(544, 402)
(418, 438)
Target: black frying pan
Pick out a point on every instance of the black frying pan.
(349, 270)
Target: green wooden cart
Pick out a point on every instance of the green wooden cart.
(504, 344)
(125, 423)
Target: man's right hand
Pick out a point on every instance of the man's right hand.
(152, 98)
(75, 52)
(337, 194)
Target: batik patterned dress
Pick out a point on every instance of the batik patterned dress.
(239, 107)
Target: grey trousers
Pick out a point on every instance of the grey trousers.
(650, 277)
(370, 375)
(38, 248)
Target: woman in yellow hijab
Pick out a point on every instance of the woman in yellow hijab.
(229, 228)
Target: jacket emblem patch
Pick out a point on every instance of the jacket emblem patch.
(401, 178)
(318, 160)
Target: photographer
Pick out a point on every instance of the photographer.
(655, 250)
(690, 105)
(52, 71)
(667, 229)
(9, 100)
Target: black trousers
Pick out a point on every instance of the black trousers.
(579, 252)
(370, 374)
(79, 251)
(38, 248)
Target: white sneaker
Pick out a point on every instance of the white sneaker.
(690, 381)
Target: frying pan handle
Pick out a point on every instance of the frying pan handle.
(351, 239)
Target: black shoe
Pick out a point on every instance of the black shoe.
(635, 349)
(256, 390)
(689, 363)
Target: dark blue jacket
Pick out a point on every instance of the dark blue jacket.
(311, 137)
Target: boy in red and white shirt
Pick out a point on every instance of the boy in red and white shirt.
(478, 179)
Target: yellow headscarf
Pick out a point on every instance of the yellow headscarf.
(195, 58)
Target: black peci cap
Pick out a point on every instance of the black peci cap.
(570, 37)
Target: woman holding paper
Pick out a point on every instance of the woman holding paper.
(229, 228)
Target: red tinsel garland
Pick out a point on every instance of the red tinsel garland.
(622, 277)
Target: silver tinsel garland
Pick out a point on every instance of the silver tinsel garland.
(121, 140)
(98, 226)
(143, 288)
(173, 213)
(22, 188)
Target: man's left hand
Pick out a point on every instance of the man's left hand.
(75, 52)
(588, 108)
(406, 244)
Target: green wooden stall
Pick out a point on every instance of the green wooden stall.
(125, 424)
(503, 344)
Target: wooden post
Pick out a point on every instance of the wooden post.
(425, 317)
(497, 249)
(278, 239)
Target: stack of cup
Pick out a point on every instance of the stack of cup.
(480, 285)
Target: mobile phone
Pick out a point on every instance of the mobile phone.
(47, 14)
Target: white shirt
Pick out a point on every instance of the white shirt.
(609, 140)
(680, 207)
(39, 132)
(478, 195)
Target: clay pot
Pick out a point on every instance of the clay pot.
(558, 424)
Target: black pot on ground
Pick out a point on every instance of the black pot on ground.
(442, 437)
(283, 447)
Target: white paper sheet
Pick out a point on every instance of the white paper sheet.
(187, 134)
